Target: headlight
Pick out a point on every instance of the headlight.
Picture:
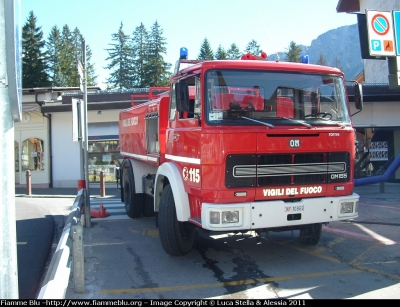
(347, 207)
(230, 217)
(224, 217)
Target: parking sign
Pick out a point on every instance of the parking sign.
(380, 33)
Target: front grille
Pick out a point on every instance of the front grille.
(286, 169)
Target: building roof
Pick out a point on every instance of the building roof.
(375, 92)
(348, 6)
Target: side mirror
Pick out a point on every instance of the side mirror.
(182, 96)
(358, 96)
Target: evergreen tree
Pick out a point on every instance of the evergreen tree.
(77, 55)
(321, 60)
(64, 72)
(336, 63)
(53, 45)
(68, 57)
(253, 48)
(293, 53)
(221, 54)
(120, 55)
(206, 52)
(157, 69)
(34, 59)
(233, 52)
(139, 46)
(77, 48)
(91, 77)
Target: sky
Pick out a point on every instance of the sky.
(273, 24)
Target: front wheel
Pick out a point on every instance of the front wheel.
(311, 234)
(176, 237)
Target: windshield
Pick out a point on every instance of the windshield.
(237, 97)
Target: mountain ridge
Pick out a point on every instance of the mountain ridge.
(342, 42)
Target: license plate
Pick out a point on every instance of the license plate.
(296, 208)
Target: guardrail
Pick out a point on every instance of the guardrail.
(69, 249)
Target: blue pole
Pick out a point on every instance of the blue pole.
(381, 178)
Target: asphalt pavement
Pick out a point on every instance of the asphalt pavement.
(31, 226)
(39, 227)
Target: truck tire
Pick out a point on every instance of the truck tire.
(311, 234)
(176, 237)
(148, 206)
(133, 202)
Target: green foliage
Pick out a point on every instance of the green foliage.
(157, 69)
(138, 61)
(120, 56)
(206, 52)
(53, 45)
(221, 54)
(293, 53)
(139, 48)
(233, 52)
(57, 66)
(34, 58)
(135, 60)
(253, 48)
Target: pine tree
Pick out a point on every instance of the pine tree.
(77, 48)
(34, 59)
(53, 45)
(77, 55)
(206, 52)
(293, 53)
(233, 52)
(321, 60)
(158, 70)
(68, 45)
(221, 54)
(253, 48)
(120, 56)
(67, 61)
(91, 77)
(139, 46)
(336, 63)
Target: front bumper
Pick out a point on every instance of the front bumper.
(271, 214)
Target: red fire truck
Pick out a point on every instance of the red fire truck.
(238, 146)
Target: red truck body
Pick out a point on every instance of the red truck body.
(239, 145)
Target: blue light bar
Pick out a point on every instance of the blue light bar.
(183, 53)
(304, 59)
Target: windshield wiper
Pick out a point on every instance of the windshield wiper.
(297, 121)
(257, 121)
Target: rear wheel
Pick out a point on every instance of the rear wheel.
(176, 237)
(133, 202)
(311, 234)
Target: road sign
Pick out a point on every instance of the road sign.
(396, 24)
(380, 33)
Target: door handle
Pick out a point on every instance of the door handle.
(176, 137)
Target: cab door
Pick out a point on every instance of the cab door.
(184, 132)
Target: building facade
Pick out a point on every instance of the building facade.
(377, 125)
(44, 143)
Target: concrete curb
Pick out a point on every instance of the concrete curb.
(58, 274)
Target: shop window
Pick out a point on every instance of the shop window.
(103, 156)
(16, 156)
(32, 155)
